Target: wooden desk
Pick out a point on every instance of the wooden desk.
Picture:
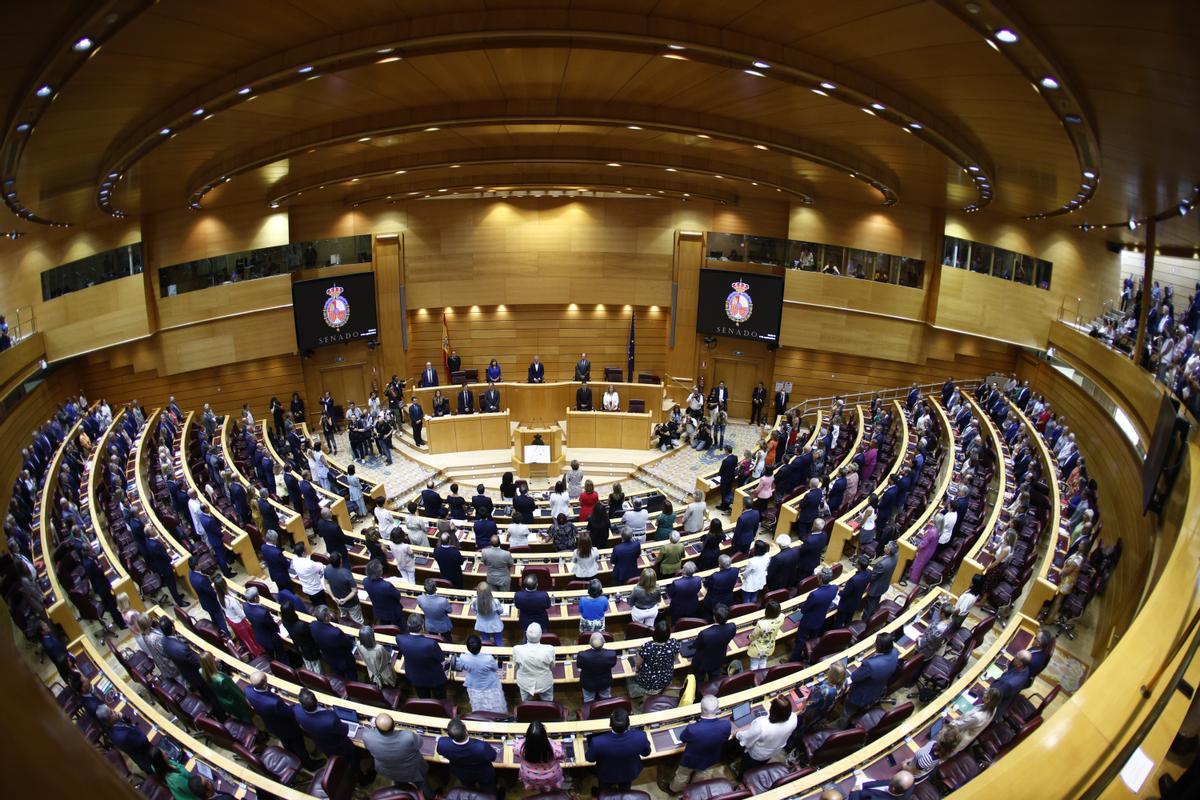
(240, 543)
(907, 548)
(550, 436)
(124, 584)
(290, 520)
(842, 530)
(543, 403)
(456, 434)
(973, 562)
(141, 467)
(613, 429)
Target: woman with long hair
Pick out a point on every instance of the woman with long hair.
(482, 680)
(229, 694)
(235, 617)
(486, 611)
(584, 562)
(643, 602)
(540, 758)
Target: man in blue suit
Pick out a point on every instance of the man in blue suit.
(270, 516)
(336, 647)
(429, 376)
(279, 719)
(718, 587)
(485, 528)
(331, 533)
(449, 560)
(625, 559)
(887, 504)
(312, 502)
(617, 753)
(157, 559)
(898, 787)
(328, 732)
(431, 501)
(726, 474)
(264, 626)
(188, 664)
(812, 550)
(869, 681)
(241, 504)
(814, 608)
(703, 746)
(385, 598)
(423, 660)
(216, 541)
(809, 508)
(470, 759)
(207, 595)
(277, 563)
(712, 645)
(416, 416)
(537, 371)
(781, 569)
(851, 597)
(1014, 681)
(837, 491)
(746, 530)
(127, 738)
(684, 594)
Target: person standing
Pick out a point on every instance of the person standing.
(482, 681)
(766, 737)
(534, 665)
(758, 398)
(540, 758)
(703, 742)
(470, 759)
(617, 753)
(595, 666)
(397, 753)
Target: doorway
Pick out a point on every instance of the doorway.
(741, 375)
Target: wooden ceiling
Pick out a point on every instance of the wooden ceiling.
(226, 102)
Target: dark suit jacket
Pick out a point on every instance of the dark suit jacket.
(625, 561)
(525, 506)
(719, 587)
(331, 533)
(277, 565)
(431, 503)
(869, 681)
(275, 712)
(809, 508)
(881, 575)
(815, 607)
(712, 644)
(385, 601)
(685, 597)
(449, 561)
(470, 762)
(781, 400)
(595, 669)
(852, 594)
(183, 657)
(429, 377)
(746, 529)
(704, 741)
(269, 517)
(618, 756)
(466, 402)
(326, 729)
(583, 398)
(728, 470)
(335, 647)
(489, 401)
(531, 607)
(237, 496)
(537, 372)
(781, 569)
(265, 627)
(810, 554)
(878, 790)
(415, 414)
(132, 741)
(157, 558)
(583, 370)
(422, 660)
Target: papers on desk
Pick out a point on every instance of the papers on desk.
(352, 729)
(911, 632)
(993, 672)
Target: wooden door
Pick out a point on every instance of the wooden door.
(740, 376)
(345, 383)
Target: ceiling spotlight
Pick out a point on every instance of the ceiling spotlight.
(762, 65)
(431, 130)
(634, 127)
(760, 147)
(305, 70)
(1089, 174)
(1133, 224)
(1049, 82)
(973, 168)
(165, 132)
(703, 136)
(364, 139)
(878, 106)
(1073, 119)
(754, 72)
(1184, 207)
(916, 126)
(868, 111)
(245, 90)
(400, 172)
(44, 91)
(274, 205)
(820, 92)
(676, 47)
(114, 174)
(476, 187)
(992, 45)
(199, 112)
(1005, 35)
(23, 127)
(384, 51)
(671, 169)
(388, 60)
(612, 164)
(828, 86)
(455, 166)
(82, 45)
(718, 176)
(443, 190)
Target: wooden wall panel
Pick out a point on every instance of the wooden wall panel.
(225, 387)
(836, 291)
(1115, 466)
(242, 338)
(901, 230)
(389, 277)
(225, 300)
(173, 237)
(557, 334)
(1182, 274)
(100, 316)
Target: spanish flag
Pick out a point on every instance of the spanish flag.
(445, 347)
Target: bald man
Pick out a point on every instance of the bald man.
(397, 753)
(277, 714)
(901, 785)
(1014, 681)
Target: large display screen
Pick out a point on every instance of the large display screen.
(744, 305)
(334, 310)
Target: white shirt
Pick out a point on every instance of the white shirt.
(965, 602)
(560, 503)
(280, 485)
(949, 520)
(754, 575)
(635, 522)
(534, 664)
(194, 508)
(763, 739)
(518, 535)
(693, 517)
(612, 402)
(403, 554)
(233, 610)
(385, 520)
(309, 574)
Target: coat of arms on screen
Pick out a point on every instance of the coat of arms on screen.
(337, 308)
(738, 305)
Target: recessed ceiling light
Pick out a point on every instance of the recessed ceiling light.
(431, 130)
(410, 194)
(703, 136)
(828, 86)
(718, 176)
(305, 70)
(820, 92)
(1073, 119)
(916, 126)
(973, 168)
(1049, 82)
(992, 45)
(1086, 187)
(476, 187)
(1005, 35)
(754, 183)
(274, 205)
(443, 190)
(114, 174)
(906, 130)
(1089, 174)
(23, 127)
(676, 47)
(384, 51)
(760, 147)
(199, 112)
(82, 45)
(455, 166)
(671, 169)
(44, 91)
(245, 90)
(364, 139)
(612, 164)
(878, 106)
(354, 180)
(388, 60)
(754, 72)
(868, 111)
(165, 132)
(634, 127)
(762, 65)
(400, 172)
(1133, 223)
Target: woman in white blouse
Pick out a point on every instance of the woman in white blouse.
(754, 574)
(560, 501)
(518, 535)
(766, 737)
(612, 402)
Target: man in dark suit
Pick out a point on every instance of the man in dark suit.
(157, 559)
(712, 645)
(881, 578)
(718, 587)
(449, 560)
(1014, 681)
(531, 604)
(745, 531)
(331, 533)
(537, 371)
(241, 505)
(617, 753)
(524, 505)
(887, 505)
(328, 731)
(207, 595)
(466, 400)
(594, 667)
(470, 759)
(913, 395)
(277, 563)
(814, 609)
(481, 503)
(424, 661)
(583, 368)
(489, 401)
(385, 598)
(270, 516)
(851, 596)
(431, 501)
(684, 593)
(416, 416)
(808, 509)
(812, 550)
(869, 681)
(727, 474)
(1040, 653)
(837, 491)
(625, 559)
(583, 397)
(898, 787)
(126, 737)
(188, 664)
(781, 401)
(429, 376)
(279, 719)
(453, 362)
(781, 569)
(216, 541)
(264, 626)
(719, 397)
(337, 649)
(758, 399)
(703, 745)
(312, 502)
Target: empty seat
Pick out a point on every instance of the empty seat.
(541, 711)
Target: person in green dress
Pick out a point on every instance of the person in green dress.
(670, 557)
(664, 523)
(173, 775)
(229, 695)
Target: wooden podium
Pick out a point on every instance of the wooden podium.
(552, 437)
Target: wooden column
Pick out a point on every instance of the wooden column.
(685, 280)
(1147, 281)
(389, 284)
